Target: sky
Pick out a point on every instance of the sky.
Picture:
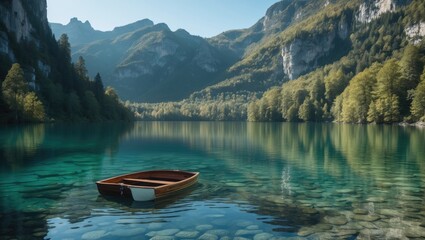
(204, 18)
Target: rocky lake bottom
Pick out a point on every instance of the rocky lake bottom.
(265, 182)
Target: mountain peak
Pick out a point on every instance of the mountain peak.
(134, 26)
(76, 22)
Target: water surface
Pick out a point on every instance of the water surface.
(258, 181)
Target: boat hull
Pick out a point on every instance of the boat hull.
(147, 185)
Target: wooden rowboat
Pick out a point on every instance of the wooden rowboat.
(147, 185)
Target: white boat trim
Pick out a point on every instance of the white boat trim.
(142, 194)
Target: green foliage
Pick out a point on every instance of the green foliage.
(385, 99)
(92, 107)
(415, 12)
(33, 108)
(352, 105)
(268, 108)
(73, 106)
(418, 103)
(231, 108)
(25, 104)
(357, 88)
(14, 89)
(63, 92)
(306, 110)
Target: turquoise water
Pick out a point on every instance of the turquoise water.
(258, 181)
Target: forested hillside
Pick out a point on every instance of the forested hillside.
(349, 61)
(39, 81)
(377, 81)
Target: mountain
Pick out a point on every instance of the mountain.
(302, 67)
(39, 83)
(295, 61)
(147, 62)
(80, 33)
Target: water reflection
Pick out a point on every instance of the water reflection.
(278, 179)
(20, 143)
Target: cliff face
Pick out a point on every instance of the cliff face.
(302, 55)
(23, 21)
(14, 19)
(15, 16)
(372, 9)
(416, 32)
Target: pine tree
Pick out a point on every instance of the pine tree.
(65, 46)
(97, 88)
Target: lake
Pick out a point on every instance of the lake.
(257, 181)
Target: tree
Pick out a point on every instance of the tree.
(306, 110)
(64, 63)
(385, 99)
(410, 73)
(418, 103)
(110, 92)
(92, 106)
(73, 105)
(357, 97)
(33, 108)
(80, 69)
(14, 88)
(253, 111)
(97, 88)
(65, 46)
(335, 83)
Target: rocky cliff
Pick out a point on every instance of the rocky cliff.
(372, 9)
(15, 18)
(305, 53)
(416, 32)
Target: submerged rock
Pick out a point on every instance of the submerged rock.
(367, 218)
(360, 211)
(187, 234)
(218, 232)
(263, 236)
(338, 220)
(93, 235)
(415, 232)
(208, 236)
(204, 227)
(246, 232)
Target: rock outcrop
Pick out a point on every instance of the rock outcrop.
(416, 32)
(302, 55)
(372, 9)
(23, 21)
(15, 19)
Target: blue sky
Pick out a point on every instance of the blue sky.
(205, 18)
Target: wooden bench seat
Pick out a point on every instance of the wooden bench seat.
(148, 181)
